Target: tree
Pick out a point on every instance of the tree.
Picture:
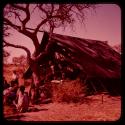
(15, 60)
(51, 16)
(21, 60)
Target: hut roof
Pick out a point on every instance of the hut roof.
(95, 57)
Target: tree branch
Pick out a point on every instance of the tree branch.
(17, 16)
(19, 46)
(34, 29)
(24, 31)
(48, 16)
(26, 10)
(27, 16)
(41, 8)
(18, 7)
(8, 22)
(40, 24)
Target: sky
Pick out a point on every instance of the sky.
(103, 25)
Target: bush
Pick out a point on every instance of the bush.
(68, 91)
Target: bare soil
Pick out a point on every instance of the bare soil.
(92, 108)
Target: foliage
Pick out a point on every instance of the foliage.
(7, 71)
(21, 60)
(68, 91)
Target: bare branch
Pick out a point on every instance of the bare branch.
(40, 24)
(43, 10)
(17, 16)
(52, 9)
(18, 46)
(18, 7)
(49, 15)
(26, 10)
(27, 16)
(33, 9)
(53, 15)
(8, 22)
(34, 29)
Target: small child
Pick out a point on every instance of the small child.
(23, 100)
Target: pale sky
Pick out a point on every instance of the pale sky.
(104, 25)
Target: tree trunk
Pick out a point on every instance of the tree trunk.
(36, 78)
(36, 73)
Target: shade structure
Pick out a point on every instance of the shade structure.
(95, 58)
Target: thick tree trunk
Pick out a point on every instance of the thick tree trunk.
(36, 79)
(36, 72)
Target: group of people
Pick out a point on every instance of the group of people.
(15, 94)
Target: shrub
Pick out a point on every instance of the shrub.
(68, 91)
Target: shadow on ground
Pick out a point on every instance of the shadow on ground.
(15, 117)
(19, 116)
(36, 109)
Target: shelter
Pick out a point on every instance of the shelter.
(94, 61)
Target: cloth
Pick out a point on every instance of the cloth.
(23, 102)
(15, 77)
(7, 91)
(9, 95)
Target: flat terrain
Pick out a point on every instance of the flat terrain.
(90, 109)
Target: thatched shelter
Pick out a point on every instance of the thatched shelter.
(94, 61)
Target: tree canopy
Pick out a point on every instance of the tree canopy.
(21, 16)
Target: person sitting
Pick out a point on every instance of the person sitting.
(6, 93)
(22, 100)
(10, 93)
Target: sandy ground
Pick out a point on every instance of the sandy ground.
(90, 109)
